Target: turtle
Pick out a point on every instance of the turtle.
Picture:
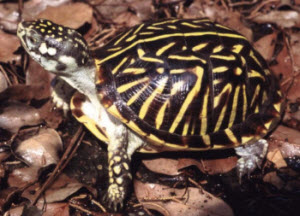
(166, 85)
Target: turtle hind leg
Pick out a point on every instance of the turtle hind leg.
(252, 156)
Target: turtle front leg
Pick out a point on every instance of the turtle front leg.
(120, 149)
(61, 94)
(118, 169)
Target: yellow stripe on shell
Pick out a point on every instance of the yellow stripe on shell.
(141, 54)
(191, 25)
(220, 69)
(277, 106)
(245, 103)
(231, 136)
(122, 62)
(155, 139)
(136, 128)
(138, 29)
(228, 87)
(187, 58)
(256, 93)
(246, 139)
(155, 38)
(199, 46)
(177, 71)
(146, 33)
(122, 37)
(134, 70)
(129, 85)
(268, 124)
(227, 58)
(186, 126)
(217, 49)
(171, 26)
(234, 106)
(203, 115)
(237, 48)
(198, 71)
(254, 57)
(201, 21)
(145, 107)
(160, 115)
(131, 38)
(254, 73)
(160, 70)
(206, 140)
(114, 49)
(164, 48)
(154, 28)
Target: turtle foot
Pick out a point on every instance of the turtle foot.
(252, 156)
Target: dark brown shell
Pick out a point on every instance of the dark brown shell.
(188, 84)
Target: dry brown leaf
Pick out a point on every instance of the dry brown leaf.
(16, 211)
(21, 177)
(211, 167)
(61, 209)
(127, 19)
(110, 9)
(42, 149)
(71, 15)
(190, 201)
(3, 82)
(162, 165)
(34, 7)
(15, 115)
(276, 158)
(143, 9)
(265, 46)
(9, 44)
(273, 179)
(284, 19)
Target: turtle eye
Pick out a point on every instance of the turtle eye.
(31, 40)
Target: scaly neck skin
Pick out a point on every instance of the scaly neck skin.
(83, 80)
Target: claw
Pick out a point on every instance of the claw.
(114, 197)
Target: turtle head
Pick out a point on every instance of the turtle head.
(58, 49)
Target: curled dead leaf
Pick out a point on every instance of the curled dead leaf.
(14, 115)
(284, 19)
(42, 149)
(190, 201)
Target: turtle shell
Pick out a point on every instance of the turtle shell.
(188, 84)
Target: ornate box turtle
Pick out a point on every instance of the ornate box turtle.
(171, 85)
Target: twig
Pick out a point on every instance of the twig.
(70, 151)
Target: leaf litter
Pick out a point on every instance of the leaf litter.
(64, 171)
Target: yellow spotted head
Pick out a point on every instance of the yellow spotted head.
(57, 48)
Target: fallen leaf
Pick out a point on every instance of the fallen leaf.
(273, 179)
(276, 158)
(3, 82)
(23, 176)
(42, 149)
(71, 15)
(9, 44)
(14, 115)
(283, 18)
(190, 201)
